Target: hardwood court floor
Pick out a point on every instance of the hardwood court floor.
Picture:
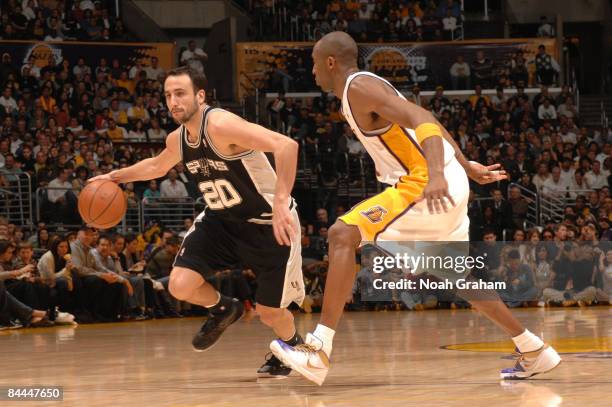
(430, 358)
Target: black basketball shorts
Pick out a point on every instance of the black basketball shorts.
(213, 244)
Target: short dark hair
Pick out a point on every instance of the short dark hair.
(198, 79)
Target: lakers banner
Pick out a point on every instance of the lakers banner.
(44, 53)
(278, 66)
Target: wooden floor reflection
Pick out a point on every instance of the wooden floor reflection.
(431, 358)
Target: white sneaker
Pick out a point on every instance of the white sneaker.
(308, 359)
(530, 364)
(65, 318)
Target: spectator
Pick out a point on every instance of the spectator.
(460, 74)
(482, 70)
(103, 290)
(154, 71)
(545, 29)
(554, 186)
(519, 206)
(133, 295)
(543, 273)
(151, 193)
(520, 287)
(546, 67)
(62, 197)
(7, 102)
(596, 178)
(547, 111)
(116, 133)
(172, 188)
(156, 133)
(449, 23)
(194, 57)
(568, 109)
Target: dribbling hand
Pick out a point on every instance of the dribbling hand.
(104, 177)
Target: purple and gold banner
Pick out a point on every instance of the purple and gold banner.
(270, 65)
(126, 53)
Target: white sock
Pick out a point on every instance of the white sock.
(527, 342)
(326, 335)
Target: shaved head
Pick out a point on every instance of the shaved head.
(333, 55)
(339, 45)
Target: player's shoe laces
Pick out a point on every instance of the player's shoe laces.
(308, 359)
(211, 330)
(532, 363)
(273, 367)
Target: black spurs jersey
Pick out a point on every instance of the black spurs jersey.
(238, 187)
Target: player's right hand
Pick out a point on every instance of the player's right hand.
(104, 177)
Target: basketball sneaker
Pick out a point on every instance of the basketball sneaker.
(273, 367)
(308, 358)
(532, 363)
(215, 325)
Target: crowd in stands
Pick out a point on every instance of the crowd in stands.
(82, 20)
(62, 124)
(365, 20)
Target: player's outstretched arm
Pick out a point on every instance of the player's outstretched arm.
(373, 95)
(150, 168)
(234, 130)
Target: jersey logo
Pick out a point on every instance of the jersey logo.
(375, 214)
(204, 165)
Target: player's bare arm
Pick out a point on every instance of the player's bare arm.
(376, 97)
(150, 168)
(229, 131)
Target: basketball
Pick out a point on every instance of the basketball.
(102, 204)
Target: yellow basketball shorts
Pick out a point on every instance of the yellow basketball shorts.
(395, 214)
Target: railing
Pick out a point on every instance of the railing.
(169, 211)
(576, 90)
(552, 206)
(16, 198)
(604, 118)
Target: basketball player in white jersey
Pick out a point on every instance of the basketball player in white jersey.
(426, 202)
(250, 220)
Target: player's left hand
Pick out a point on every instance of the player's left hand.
(282, 222)
(436, 193)
(485, 174)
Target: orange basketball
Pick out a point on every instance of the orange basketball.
(102, 204)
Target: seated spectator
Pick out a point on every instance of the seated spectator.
(568, 109)
(62, 197)
(547, 111)
(194, 57)
(103, 289)
(543, 272)
(114, 132)
(156, 133)
(596, 178)
(172, 188)
(554, 186)
(55, 269)
(520, 287)
(133, 295)
(154, 71)
(605, 269)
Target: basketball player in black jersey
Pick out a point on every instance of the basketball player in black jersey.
(250, 218)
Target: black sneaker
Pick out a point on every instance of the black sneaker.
(214, 326)
(273, 367)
